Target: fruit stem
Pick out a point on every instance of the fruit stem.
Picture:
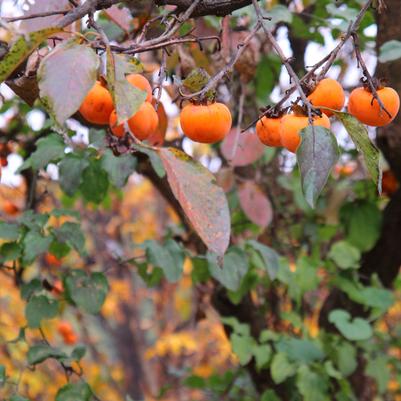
(365, 71)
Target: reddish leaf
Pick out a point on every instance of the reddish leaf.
(225, 178)
(248, 150)
(43, 6)
(202, 200)
(121, 17)
(255, 204)
(65, 77)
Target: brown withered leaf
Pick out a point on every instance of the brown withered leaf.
(202, 200)
(26, 86)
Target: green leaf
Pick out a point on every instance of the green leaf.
(332, 371)
(390, 51)
(346, 358)
(154, 158)
(262, 354)
(281, 368)
(357, 329)
(71, 234)
(359, 135)
(202, 200)
(242, 347)
(269, 395)
(312, 386)
(345, 255)
(379, 370)
(169, 258)
(10, 251)
(304, 279)
(200, 272)
(95, 182)
(39, 353)
(278, 14)
(377, 297)
(30, 288)
(87, 291)
(267, 73)
(362, 220)
(9, 231)
(316, 155)
(66, 212)
(126, 97)
(70, 171)
(33, 221)
(269, 256)
(78, 352)
(298, 350)
(17, 397)
(74, 392)
(39, 308)
(119, 168)
(195, 382)
(21, 49)
(97, 138)
(50, 148)
(34, 245)
(242, 329)
(235, 266)
(77, 64)
(2, 375)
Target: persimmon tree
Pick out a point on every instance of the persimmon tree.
(292, 239)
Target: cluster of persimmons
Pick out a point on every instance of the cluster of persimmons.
(208, 123)
(329, 95)
(211, 122)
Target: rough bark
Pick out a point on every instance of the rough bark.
(207, 7)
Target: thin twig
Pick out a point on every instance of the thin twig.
(353, 27)
(161, 78)
(327, 61)
(367, 75)
(143, 47)
(284, 60)
(239, 122)
(216, 78)
(39, 15)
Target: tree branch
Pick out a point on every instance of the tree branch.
(207, 7)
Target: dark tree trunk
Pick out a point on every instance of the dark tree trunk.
(385, 257)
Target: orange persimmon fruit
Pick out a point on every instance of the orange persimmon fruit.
(268, 131)
(328, 93)
(206, 123)
(142, 124)
(64, 328)
(52, 260)
(157, 137)
(389, 183)
(10, 208)
(366, 109)
(292, 124)
(97, 105)
(140, 82)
